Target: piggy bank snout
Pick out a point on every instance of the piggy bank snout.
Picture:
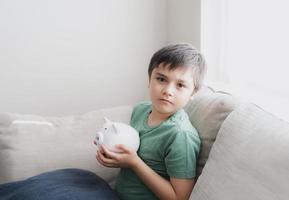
(99, 138)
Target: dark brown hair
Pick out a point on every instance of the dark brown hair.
(180, 55)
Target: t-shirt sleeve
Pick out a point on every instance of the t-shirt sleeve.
(132, 115)
(181, 155)
(135, 112)
(138, 111)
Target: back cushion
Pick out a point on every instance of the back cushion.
(39, 144)
(249, 159)
(207, 111)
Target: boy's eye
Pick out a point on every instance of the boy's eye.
(160, 79)
(180, 85)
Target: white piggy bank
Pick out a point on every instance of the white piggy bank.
(113, 133)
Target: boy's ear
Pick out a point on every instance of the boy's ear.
(194, 92)
(149, 82)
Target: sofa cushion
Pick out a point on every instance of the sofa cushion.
(32, 144)
(249, 159)
(207, 111)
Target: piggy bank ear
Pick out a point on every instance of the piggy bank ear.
(107, 121)
(114, 128)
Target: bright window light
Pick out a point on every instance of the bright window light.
(246, 47)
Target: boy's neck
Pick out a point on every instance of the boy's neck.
(155, 118)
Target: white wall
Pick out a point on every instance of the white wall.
(184, 21)
(61, 57)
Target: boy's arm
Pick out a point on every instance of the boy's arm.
(174, 189)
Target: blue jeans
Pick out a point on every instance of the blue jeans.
(65, 184)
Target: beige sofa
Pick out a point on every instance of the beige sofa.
(244, 152)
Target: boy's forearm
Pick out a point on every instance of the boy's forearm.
(161, 187)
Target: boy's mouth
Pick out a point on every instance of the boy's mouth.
(166, 101)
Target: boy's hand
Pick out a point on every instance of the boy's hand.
(126, 158)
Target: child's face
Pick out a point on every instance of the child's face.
(170, 90)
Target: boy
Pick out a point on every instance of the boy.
(165, 165)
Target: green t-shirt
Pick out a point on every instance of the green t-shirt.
(170, 149)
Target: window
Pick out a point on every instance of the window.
(246, 47)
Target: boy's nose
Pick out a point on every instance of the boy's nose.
(169, 90)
